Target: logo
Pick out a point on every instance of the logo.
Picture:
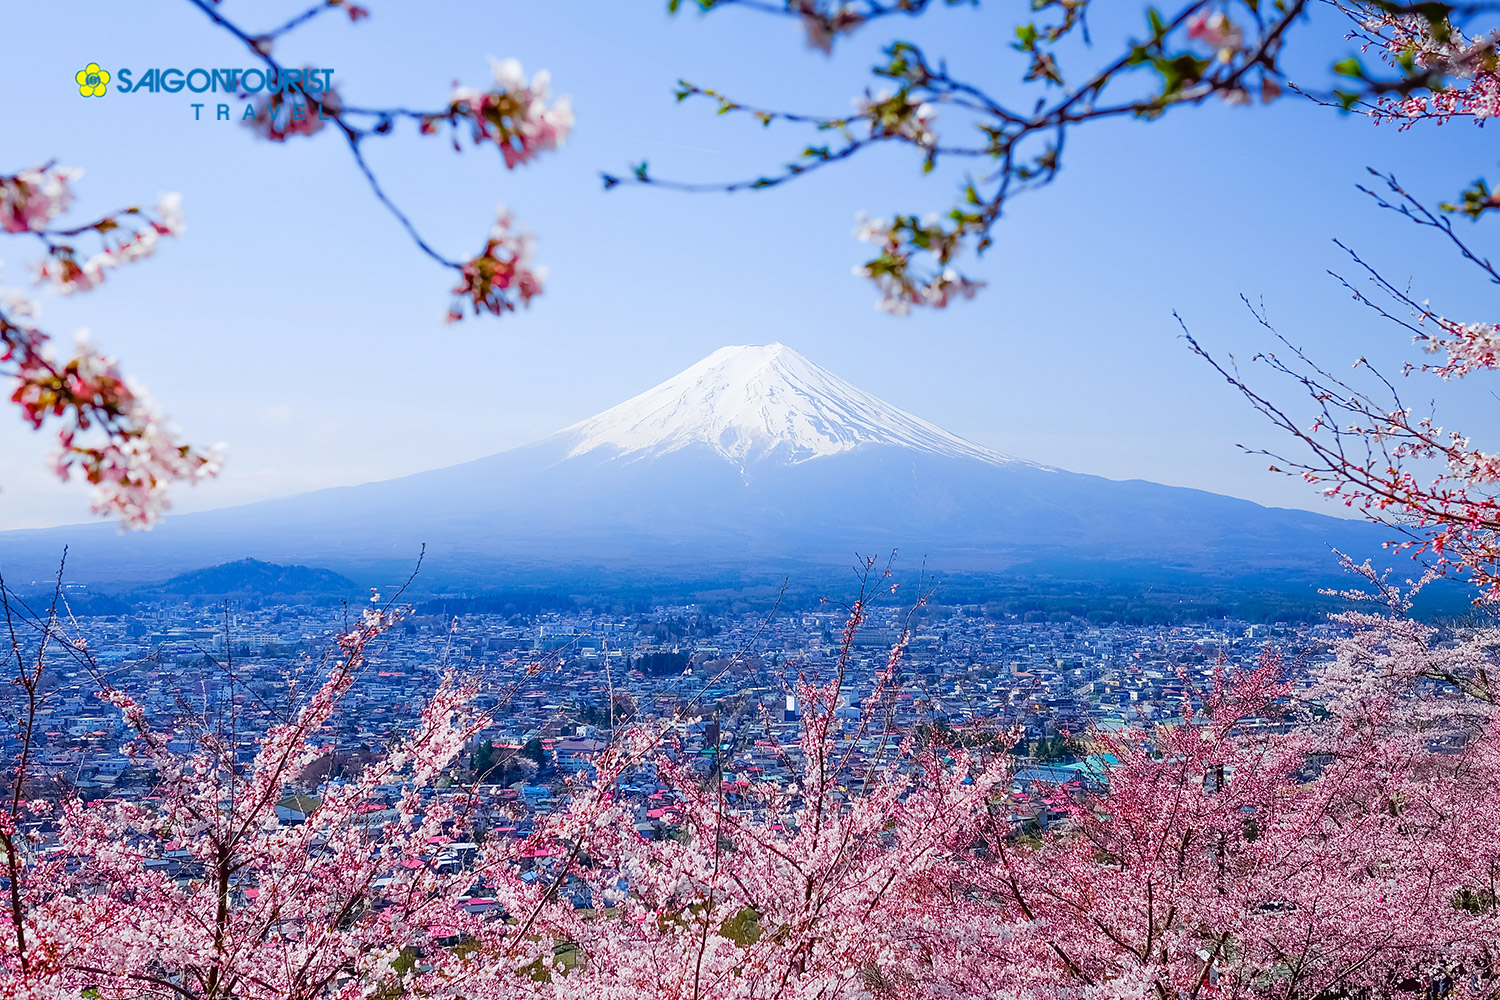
(92, 81)
(281, 101)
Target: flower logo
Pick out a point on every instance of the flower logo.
(92, 81)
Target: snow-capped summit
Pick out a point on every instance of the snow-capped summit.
(752, 403)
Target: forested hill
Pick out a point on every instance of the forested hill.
(257, 577)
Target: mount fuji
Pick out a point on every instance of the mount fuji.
(756, 404)
(752, 464)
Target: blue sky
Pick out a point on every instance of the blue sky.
(295, 322)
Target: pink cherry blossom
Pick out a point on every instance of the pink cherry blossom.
(1218, 31)
(34, 197)
(899, 116)
(900, 287)
(501, 276)
(823, 26)
(1469, 83)
(515, 114)
(109, 428)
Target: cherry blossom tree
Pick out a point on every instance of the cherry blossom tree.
(1243, 850)
(201, 892)
(265, 910)
(1384, 879)
(1365, 445)
(820, 887)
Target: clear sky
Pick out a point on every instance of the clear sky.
(295, 322)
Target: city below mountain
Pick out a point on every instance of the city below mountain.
(753, 466)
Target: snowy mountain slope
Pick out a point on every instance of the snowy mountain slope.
(753, 463)
(755, 403)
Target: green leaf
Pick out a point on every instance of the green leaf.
(1158, 26)
(743, 928)
(1179, 72)
(1350, 67)
(1477, 200)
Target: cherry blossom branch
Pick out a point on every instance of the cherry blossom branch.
(138, 456)
(1407, 206)
(515, 116)
(909, 115)
(1229, 50)
(1362, 449)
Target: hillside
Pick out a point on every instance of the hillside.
(252, 576)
